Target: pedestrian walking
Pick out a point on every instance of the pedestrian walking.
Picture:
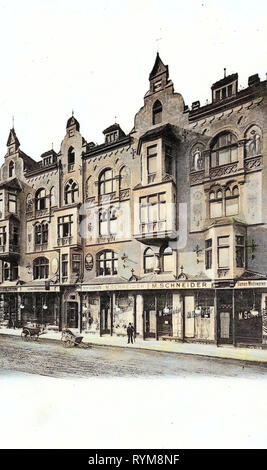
(130, 330)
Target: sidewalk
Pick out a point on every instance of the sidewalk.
(207, 350)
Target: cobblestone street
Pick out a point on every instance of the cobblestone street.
(52, 359)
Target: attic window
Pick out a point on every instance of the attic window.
(224, 92)
(11, 169)
(157, 85)
(112, 137)
(157, 112)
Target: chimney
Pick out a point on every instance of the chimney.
(253, 80)
(195, 105)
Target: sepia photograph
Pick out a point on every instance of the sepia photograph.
(133, 227)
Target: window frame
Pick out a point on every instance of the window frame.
(223, 247)
(102, 260)
(217, 149)
(40, 268)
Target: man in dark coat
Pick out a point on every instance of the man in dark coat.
(130, 332)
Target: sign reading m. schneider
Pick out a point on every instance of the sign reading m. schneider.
(148, 285)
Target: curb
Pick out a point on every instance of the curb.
(207, 356)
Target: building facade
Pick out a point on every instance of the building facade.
(164, 227)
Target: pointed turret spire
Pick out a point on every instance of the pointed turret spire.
(159, 68)
(13, 140)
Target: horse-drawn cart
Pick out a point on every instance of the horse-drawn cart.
(30, 332)
(69, 339)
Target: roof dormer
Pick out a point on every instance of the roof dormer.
(113, 133)
(225, 88)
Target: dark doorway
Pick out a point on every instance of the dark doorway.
(225, 317)
(157, 315)
(72, 314)
(149, 316)
(105, 314)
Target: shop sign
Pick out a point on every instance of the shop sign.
(248, 314)
(148, 286)
(38, 288)
(250, 284)
(8, 289)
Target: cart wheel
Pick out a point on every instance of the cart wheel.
(35, 337)
(25, 335)
(68, 343)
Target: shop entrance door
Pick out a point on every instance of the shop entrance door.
(149, 316)
(72, 314)
(105, 314)
(225, 317)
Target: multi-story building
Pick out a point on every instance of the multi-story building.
(164, 227)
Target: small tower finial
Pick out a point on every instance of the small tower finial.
(72, 112)
(13, 122)
(115, 117)
(224, 71)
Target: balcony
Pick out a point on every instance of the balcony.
(41, 247)
(9, 251)
(151, 231)
(63, 241)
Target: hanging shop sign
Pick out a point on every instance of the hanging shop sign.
(148, 286)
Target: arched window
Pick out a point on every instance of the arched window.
(253, 141)
(224, 204)
(148, 261)
(41, 233)
(71, 159)
(40, 268)
(71, 192)
(232, 201)
(224, 149)
(108, 222)
(10, 271)
(157, 112)
(107, 182)
(167, 259)
(11, 169)
(215, 203)
(107, 263)
(125, 178)
(40, 199)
